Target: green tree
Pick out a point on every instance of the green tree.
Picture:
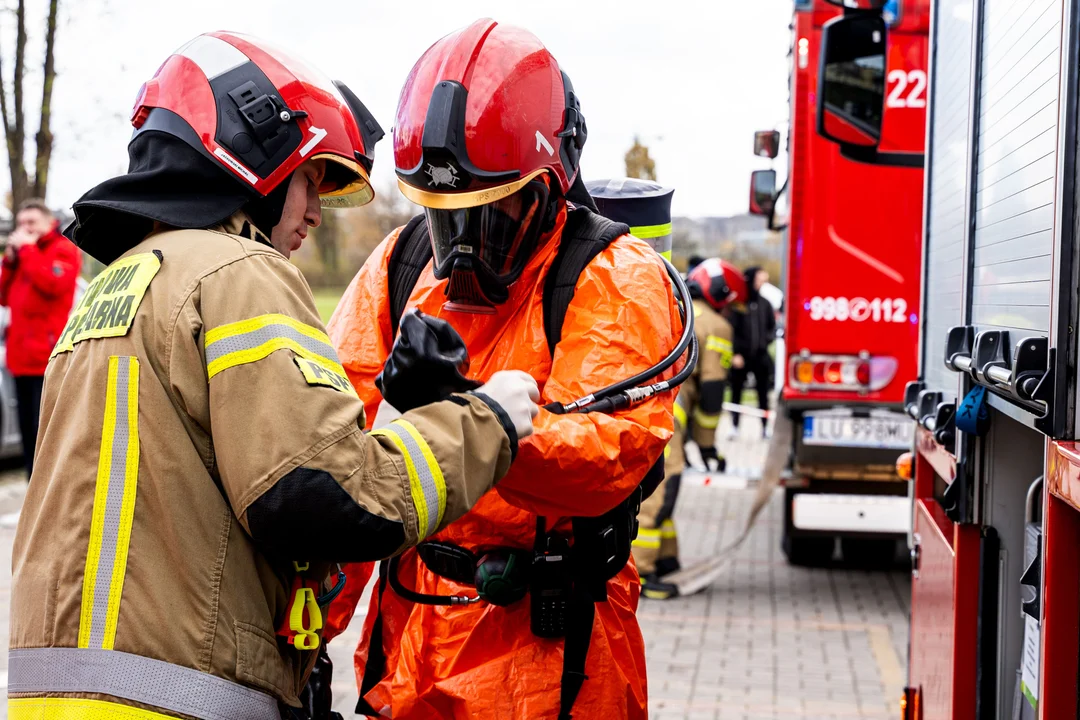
(638, 163)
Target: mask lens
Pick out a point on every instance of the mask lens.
(447, 230)
(501, 235)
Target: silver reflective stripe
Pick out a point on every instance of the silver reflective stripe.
(113, 504)
(254, 338)
(427, 481)
(172, 688)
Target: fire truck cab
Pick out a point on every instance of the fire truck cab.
(853, 205)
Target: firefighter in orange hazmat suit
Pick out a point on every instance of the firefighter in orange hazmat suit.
(487, 139)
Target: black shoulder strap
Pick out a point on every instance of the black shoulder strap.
(585, 236)
(410, 256)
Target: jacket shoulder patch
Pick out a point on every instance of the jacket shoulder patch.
(318, 374)
(108, 308)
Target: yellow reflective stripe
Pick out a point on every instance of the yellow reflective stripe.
(56, 708)
(667, 451)
(426, 482)
(114, 507)
(649, 539)
(717, 344)
(722, 346)
(432, 464)
(667, 530)
(251, 340)
(680, 414)
(260, 321)
(647, 232)
(709, 422)
(666, 255)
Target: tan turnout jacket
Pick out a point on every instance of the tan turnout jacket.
(714, 335)
(193, 379)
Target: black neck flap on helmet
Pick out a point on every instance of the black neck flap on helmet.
(574, 134)
(170, 182)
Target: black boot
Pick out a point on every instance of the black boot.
(654, 588)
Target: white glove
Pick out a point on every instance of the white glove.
(385, 415)
(517, 393)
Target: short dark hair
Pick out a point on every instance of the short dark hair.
(34, 204)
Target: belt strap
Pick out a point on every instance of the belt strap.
(375, 666)
(173, 688)
(579, 623)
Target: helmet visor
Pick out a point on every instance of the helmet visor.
(500, 235)
(345, 183)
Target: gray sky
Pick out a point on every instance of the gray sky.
(692, 79)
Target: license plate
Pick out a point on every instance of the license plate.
(891, 432)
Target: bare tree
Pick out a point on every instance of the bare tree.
(13, 116)
(638, 162)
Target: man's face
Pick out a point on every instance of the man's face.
(33, 222)
(302, 209)
(760, 279)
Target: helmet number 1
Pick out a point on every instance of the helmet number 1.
(317, 135)
(542, 142)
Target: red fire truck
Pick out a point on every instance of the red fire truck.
(853, 195)
(995, 615)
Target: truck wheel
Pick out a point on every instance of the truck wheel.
(808, 551)
(869, 553)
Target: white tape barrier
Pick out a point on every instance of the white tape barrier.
(748, 410)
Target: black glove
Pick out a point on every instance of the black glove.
(315, 699)
(428, 363)
(712, 459)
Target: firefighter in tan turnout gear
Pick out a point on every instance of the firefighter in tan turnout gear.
(713, 284)
(202, 464)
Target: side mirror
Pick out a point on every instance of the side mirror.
(767, 143)
(860, 4)
(851, 96)
(762, 192)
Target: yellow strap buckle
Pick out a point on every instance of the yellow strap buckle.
(306, 637)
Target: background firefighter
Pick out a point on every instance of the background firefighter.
(713, 285)
(494, 238)
(754, 321)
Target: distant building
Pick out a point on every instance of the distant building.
(742, 239)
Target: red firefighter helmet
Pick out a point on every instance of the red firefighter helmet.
(720, 283)
(260, 114)
(488, 136)
(484, 111)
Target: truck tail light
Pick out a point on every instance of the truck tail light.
(909, 705)
(905, 465)
(841, 372)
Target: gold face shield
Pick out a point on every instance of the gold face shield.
(460, 200)
(346, 183)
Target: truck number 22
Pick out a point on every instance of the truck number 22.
(915, 98)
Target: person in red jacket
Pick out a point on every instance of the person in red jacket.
(38, 283)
